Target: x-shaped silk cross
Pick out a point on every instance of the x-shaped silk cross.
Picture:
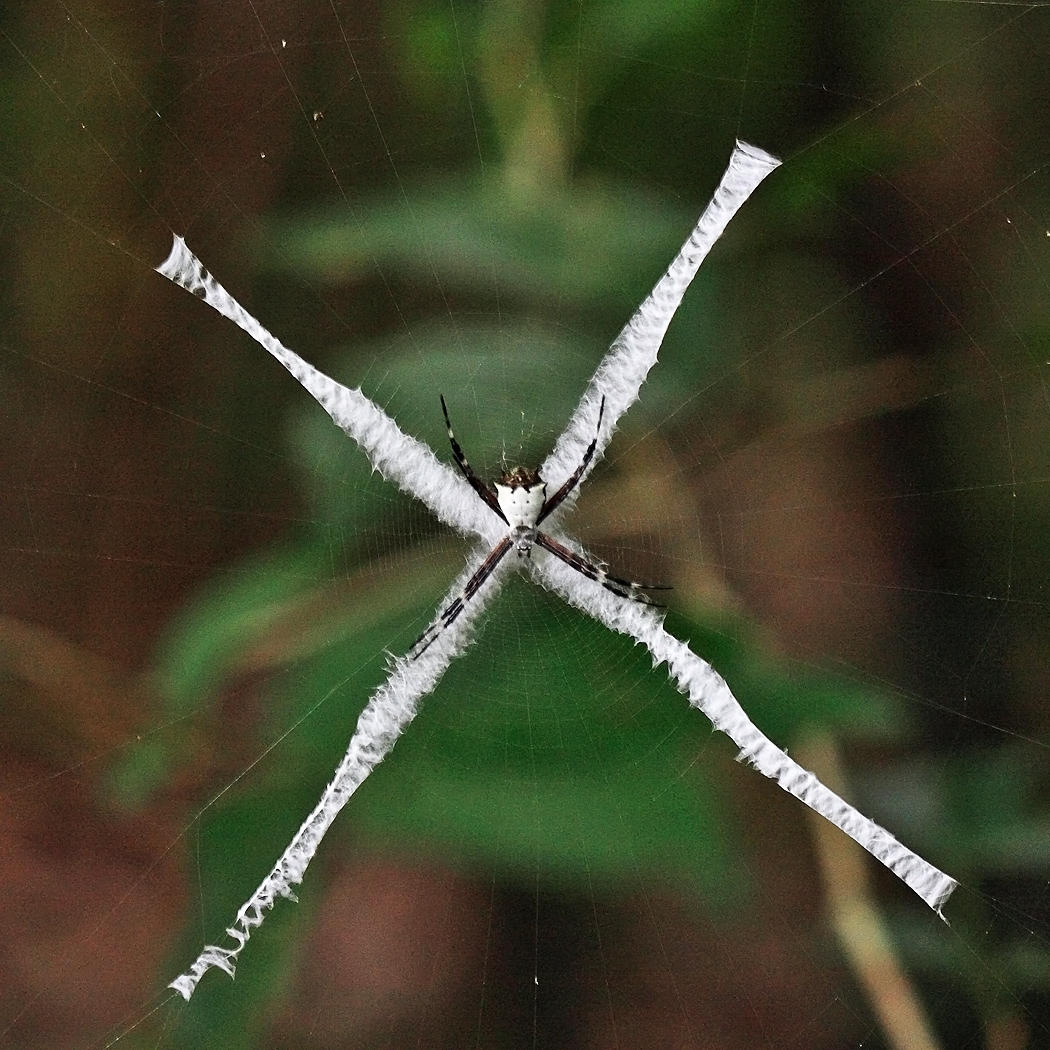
(415, 468)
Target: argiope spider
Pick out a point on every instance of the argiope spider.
(520, 499)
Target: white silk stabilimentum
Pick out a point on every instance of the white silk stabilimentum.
(400, 458)
(707, 690)
(633, 352)
(386, 716)
(415, 468)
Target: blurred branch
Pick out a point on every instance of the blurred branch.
(856, 919)
(94, 699)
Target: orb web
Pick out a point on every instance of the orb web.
(839, 465)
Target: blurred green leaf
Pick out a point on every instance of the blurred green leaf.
(481, 235)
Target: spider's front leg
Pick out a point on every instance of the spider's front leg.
(479, 486)
(573, 480)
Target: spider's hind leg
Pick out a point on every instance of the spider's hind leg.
(631, 589)
(456, 606)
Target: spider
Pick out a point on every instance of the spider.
(521, 501)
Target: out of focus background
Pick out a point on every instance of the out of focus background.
(840, 464)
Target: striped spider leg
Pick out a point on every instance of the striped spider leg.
(520, 499)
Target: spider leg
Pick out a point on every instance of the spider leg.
(624, 588)
(479, 486)
(553, 501)
(472, 586)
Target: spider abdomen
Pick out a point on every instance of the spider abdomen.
(521, 504)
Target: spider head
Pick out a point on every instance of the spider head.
(520, 478)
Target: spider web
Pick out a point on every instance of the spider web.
(839, 464)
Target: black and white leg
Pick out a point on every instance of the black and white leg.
(472, 586)
(624, 588)
(479, 486)
(553, 501)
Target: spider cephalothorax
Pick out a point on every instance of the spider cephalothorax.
(520, 499)
(520, 477)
